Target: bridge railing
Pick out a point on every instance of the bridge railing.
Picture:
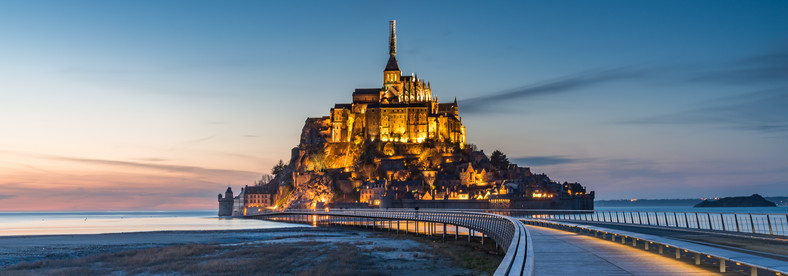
(755, 223)
(510, 234)
(700, 253)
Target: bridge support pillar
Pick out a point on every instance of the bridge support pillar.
(634, 242)
(660, 249)
(444, 231)
(722, 265)
(470, 233)
(483, 239)
(397, 226)
(753, 271)
(624, 239)
(646, 245)
(456, 232)
(697, 258)
(678, 253)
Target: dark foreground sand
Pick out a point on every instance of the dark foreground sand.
(289, 251)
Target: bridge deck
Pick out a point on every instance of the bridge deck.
(774, 247)
(564, 253)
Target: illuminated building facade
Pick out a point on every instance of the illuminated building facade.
(402, 110)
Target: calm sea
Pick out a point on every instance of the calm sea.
(690, 209)
(50, 223)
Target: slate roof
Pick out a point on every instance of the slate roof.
(367, 91)
(392, 64)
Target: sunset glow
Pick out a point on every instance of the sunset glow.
(149, 105)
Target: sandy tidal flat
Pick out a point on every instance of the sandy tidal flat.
(288, 251)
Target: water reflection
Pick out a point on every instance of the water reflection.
(14, 224)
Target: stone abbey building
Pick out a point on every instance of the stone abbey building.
(396, 146)
(402, 110)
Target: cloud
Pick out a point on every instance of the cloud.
(767, 68)
(762, 111)
(575, 82)
(759, 71)
(544, 160)
(152, 159)
(7, 196)
(168, 168)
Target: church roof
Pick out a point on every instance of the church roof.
(374, 91)
(345, 106)
(399, 105)
(229, 190)
(392, 64)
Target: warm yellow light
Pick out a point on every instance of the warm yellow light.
(326, 209)
(377, 202)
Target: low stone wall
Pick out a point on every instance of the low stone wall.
(435, 204)
(563, 204)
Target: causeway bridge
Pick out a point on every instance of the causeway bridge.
(559, 242)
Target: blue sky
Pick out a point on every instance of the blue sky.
(170, 101)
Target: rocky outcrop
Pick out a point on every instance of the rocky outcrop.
(315, 132)
(312, 190)
(754, 200)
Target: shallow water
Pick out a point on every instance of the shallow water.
(690, 209)
(52, 223)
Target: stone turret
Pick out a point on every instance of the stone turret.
(226, 203)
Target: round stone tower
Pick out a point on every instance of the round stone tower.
(226, 203)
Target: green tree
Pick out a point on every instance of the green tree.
(267, 178)
(499, 160)
(279, 168)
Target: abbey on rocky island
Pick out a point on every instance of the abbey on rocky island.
(402, 110)
(396, 146)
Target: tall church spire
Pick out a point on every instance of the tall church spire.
(392, 64)
(393, 37)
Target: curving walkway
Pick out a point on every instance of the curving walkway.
(508, 233)
(559, 252)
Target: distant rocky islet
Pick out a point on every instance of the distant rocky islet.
(754, 200)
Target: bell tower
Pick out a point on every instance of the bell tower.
(392, 74)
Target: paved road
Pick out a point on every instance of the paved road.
(564, 253)
(775, 247)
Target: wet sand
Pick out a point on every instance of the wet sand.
(287, 251)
